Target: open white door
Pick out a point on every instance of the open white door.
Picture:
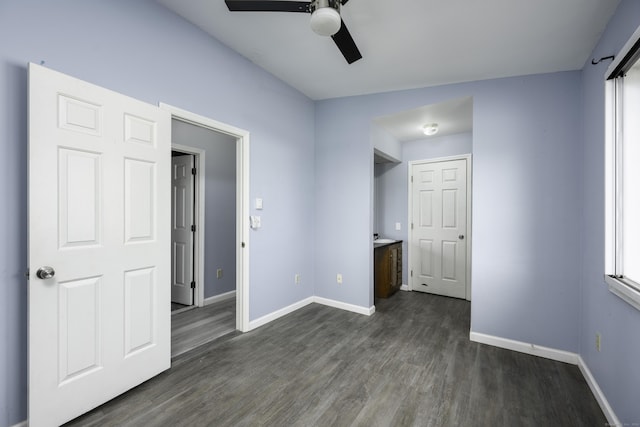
(99, 215)
(438, 236)
(182, 220)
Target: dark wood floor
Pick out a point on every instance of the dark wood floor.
(198, 326)
(410, 364)
(175, 306)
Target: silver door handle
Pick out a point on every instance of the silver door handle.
(45, 273)
(460, 236)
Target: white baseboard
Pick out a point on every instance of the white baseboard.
(24, 423)
(218, 298)
(522, 347)
(298, 305)
(404, 287)
(612, 419)
(279, 313)
(344, 306)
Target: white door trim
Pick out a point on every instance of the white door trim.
(467, 158)
(242, 204)
(198, 247)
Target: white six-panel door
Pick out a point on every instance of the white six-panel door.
(439, 220)
(181, 233)
(99, 215)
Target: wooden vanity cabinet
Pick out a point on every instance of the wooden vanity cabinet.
(387, 269)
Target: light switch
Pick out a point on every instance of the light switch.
(398, 226)
(255, 222)
(258, 203)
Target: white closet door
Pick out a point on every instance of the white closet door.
(438, 237)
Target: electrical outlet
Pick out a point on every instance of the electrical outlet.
(297, 279)
(339, 278)
(598, 341)
(219, 273)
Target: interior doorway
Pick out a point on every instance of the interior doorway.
(208, 275)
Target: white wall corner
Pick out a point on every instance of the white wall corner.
(527, 348)
(344, 306)
(218, 298)
(612, 419)
(279, 313)
(298, 305)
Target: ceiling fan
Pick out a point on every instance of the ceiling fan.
(325, 19)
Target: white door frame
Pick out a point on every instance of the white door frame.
(242, 209)
(469, 235)
(198, 209)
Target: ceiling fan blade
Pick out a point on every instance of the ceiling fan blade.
(345, 43)
(267, 6)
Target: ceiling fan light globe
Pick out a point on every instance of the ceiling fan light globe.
(325, 21)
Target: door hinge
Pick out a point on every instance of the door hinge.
(411, 178)
(193, 171)
(193, 284)
(27, 273)
(411, 273)
(193, 228)
(412, 226)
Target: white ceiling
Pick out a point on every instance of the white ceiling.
(410, 43)
(452, 117)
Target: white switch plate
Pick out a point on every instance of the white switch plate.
(255, 221)
(339, 278)
(398, 226)
(297, 279)
(258, 203)
(219, 273)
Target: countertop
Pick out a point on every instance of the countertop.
(382, 245)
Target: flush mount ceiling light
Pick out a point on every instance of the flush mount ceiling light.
(430, 130)
(325, 19)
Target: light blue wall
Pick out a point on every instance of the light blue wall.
(439, 146)
(392, 202)
(526, 205)
(615, 367)
(384, 142)
(220, 202)
(141, 49)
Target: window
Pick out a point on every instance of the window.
(623, 174)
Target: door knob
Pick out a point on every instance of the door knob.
(460, 236)
(45, 273)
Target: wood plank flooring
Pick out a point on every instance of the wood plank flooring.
(410, 364)
(175, 306)
(198, 326)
